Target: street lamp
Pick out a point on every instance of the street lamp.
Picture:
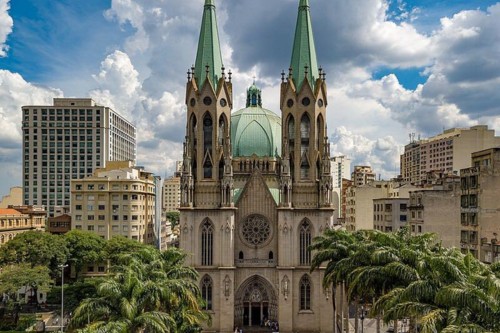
(62, 267)
(362, 317)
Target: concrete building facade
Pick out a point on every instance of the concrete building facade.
(480, 206)
(362, 174)
(172, 194)
(360, 206)
(117, 200)
(446, 153)
(14, 198)
(390, 214)
(69, 140)
(436, 209)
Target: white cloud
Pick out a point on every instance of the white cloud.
(14, 93)
(144, 79)
(6, 24)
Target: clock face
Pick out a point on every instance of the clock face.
(223, 102)
(320, 103)
(207, 101)
(289, 103)
(306, 101)
(192, 102)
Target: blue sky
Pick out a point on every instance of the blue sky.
(393, 68)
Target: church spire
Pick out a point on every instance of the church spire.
(208, 58)
(304, 62)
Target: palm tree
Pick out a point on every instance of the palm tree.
(147, 291)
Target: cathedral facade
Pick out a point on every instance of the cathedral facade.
(256, 188)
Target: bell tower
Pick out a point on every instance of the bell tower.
(207, 171)
(303, 102)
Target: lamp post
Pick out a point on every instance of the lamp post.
(362, 317)
(62, 295)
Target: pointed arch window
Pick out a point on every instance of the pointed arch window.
(291, 132)
(207, 243)
(222, 130)
(305, 293)
(206, 292)
(193, 130)
(305, 131)
(319, 131)
(305, 242)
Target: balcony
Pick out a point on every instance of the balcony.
(255, 262)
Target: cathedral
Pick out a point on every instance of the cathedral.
(256, 188)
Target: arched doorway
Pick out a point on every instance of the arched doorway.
(255, 300)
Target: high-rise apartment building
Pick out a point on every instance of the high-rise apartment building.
(172, 194)
(445, 153)
(116, 200)
(18, 219)
(480, 207)
(341, 168)
(362, 174)
(69, 140)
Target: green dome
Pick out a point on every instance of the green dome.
(255, 130)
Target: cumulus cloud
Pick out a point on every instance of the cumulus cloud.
(381, 154)
(144, 79)
(159, 121)
(14, 93)
(6, 24)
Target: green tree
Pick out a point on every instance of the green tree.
(15, 277)
(147, 290)
(173, 217)
(35, 248)
(84, 248)
(119, 245)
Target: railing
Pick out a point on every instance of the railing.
(255, 262)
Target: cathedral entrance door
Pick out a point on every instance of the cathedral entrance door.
(256, 314)
(255, 301)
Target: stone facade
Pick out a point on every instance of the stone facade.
(255, 191)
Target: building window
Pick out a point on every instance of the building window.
(207, 241)
(305, 293)
(305, 242)
(305, 129)
(206, 292)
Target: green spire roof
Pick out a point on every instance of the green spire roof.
(208, 47)
(304, 51)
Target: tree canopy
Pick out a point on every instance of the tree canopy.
(147, 290)
(400, 276)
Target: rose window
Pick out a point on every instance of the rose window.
(256, 230)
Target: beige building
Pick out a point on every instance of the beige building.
(362, 174)
(117, 200)
(360, 213)
(14, 198)
(172, 194)
(256, 189)
(18, 219)
(480, 206)
(436, 209)
(69, 140)
(390, 214)
(446, 153)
